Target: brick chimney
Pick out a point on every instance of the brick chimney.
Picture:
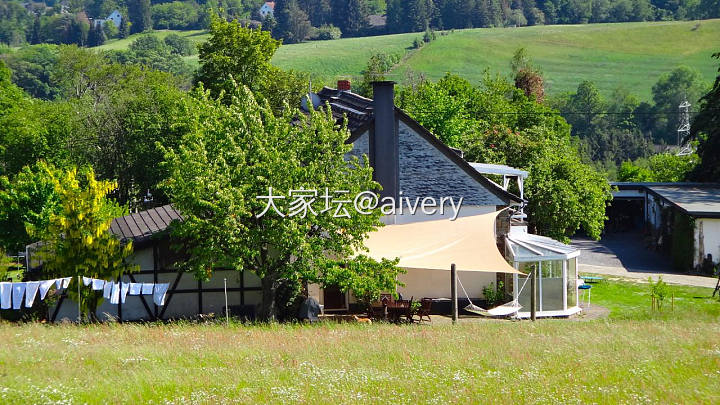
(386, 142)
(343, 85)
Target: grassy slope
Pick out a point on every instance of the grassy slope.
(670, 358)
(633, 55)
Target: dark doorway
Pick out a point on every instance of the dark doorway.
(334, 299)
(625, 215)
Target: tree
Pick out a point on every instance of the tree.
(239, 55)
(232, 156)
(234, 54)
(96, 37)
(179, 45)
(663, 167)
(26, 200)
(77, 241)
(564, 193)
(351, 16)
(140, 15)
(292, 23)
(124, 28)
(706, 128)
(683, 83)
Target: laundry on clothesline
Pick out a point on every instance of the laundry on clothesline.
(5, 295)
(16, 295)
(31, 289)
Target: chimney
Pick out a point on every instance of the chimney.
(385, 141)
(343, 85)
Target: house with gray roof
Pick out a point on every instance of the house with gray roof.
(408, 161)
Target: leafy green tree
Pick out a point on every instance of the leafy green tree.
(706, 128)
(292, 25)
(140, 15)
(124, 30)
(180, 45)
(565, 194)
(239, 55)
(233, 154)
(683, 83)
(96, 36)
(663, 167)
(351, 16)
(26, 200)
(77, 241)
(32, 69)
(234, 53)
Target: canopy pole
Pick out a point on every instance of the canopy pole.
(79, 311)
(453, 293)
(227, 310)
(533, 292)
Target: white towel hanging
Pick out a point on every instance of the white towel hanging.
(45, 286)
(31, 289)
(159, 294)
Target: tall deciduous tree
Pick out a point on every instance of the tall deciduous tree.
(140, 15)
(234, 54)
(234, 154)
(77, 241)
(564, 194)
(239, 55)
(28, 199)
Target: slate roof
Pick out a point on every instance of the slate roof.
(360, 115)
(359, 110)
(140, 226)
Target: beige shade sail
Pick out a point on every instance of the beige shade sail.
(468, 242)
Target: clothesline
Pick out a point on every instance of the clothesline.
(12, 293)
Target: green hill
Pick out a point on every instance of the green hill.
(631, 55)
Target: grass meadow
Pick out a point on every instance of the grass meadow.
(628, 55)
(672, 357)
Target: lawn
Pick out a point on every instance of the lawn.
(654, 358)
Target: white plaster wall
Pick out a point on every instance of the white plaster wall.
(707, 239)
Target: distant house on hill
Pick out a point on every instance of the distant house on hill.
(267, 9)
(115, 17)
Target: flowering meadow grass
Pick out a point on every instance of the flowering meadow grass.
(610, 360)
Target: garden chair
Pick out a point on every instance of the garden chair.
(424, 310)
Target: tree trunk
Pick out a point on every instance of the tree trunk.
(268, 307)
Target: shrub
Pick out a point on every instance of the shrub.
(179, 45)
(327, 32)
(659, 291)
(418, 43)
(494, 295)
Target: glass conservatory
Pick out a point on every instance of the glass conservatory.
(556, 267)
